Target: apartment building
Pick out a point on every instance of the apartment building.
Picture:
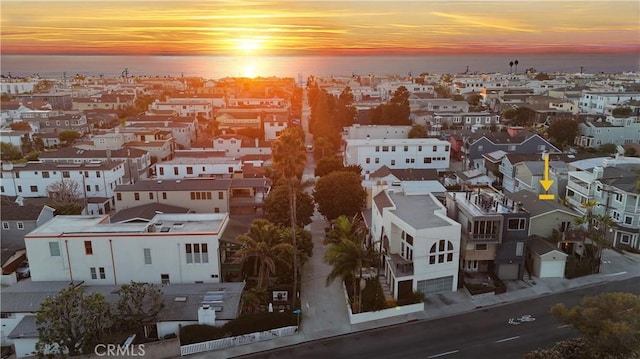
(238, 146)
(363, 132)
(603, 103)
(475, 147)
(193, 167)
(615, 191)
(417, 153)
(171, 248)
(494, 232)
(185, 107)
(94, 181)
(421, 245)
(619, 131)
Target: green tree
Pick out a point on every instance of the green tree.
(608, 148)
(253, 299)
(346, 258)
(9, 152)
(339, 193)
(72, 322)
(279, 214)
(304, 243)
(630, 152)
(263, 244)
(43, 86)
(396, 112)
(609, 323)
(327, 165)
(563, 131)
(622, 112)
(67, 137)
(417, 131)
(521, 116)
(289, 157)
(442, 91)
(323, 147)
(139, 305)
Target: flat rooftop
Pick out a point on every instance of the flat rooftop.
(418, 210)
(485, 202)
(169, 223)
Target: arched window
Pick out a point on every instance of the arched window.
(441, 252)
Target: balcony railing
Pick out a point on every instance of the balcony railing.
(579, 188)
(485, 237)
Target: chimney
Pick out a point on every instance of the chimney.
(206, 315)
(257, 142)
(598, 172)
(108, 154)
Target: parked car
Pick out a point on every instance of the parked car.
(23, 271)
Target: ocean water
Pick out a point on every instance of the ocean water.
(214, 67)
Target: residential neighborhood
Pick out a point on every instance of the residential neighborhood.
(215, 194)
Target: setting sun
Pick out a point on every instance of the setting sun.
(249, 44)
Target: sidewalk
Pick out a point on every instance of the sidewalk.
(323, 324)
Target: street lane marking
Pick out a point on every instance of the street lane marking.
(614, 274)
(507, 339)
(564, 326)
(443, 354)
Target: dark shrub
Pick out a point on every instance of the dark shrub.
(198, 333)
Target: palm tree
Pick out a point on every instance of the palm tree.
(510, 66)
(289, 157)
(516, 63)
(253, 298)
(345, 227)
(346, 257)
(263, 244)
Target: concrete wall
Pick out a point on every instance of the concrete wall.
(381, 314)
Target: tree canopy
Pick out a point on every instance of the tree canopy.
(67, 137)
(9, 152)
(396, 112)
(563, 131)
(65, 196)
(609, 324)
(139, 304)
(279, 214)
(521, 116)
(339, 193)
(73, 320)
(417, 131)
(327, 165)
(622, 112)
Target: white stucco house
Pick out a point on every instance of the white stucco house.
(421, 245)
(171, 248)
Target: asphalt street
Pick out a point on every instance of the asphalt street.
(507, 331)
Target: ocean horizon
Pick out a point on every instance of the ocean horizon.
(213, 67)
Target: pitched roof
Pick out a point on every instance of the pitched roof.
(541, 246)
(536, 206)
(382, 200)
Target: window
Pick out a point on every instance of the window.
(162, 171)
(615, 215)
(189, 170)
(393, 162)
(435, 148)
(385, 148)
(516, 224)
(119, 196)
(94, 274)
(481, 247)
(624, 238)
(443, 251)
(420, 148)
(393, 148)
(98, 174)
(446, 148)
(164, 195)
(367, 160)
(136, 196)
(377, 160)
(197, 252)
(164, 278)
(541, 147)
(220, 195)
(88, 187)
(193, 195)
(5, 225)
(19, 189)
(45, 174)
(86, 174)
(97, 188)
(618, 197)
(103, 275)
(564, 226)
(34, 188)
(427, 160)
(377, 148)
(209, 195)
(511, 148)
(216, 210)
(20, 225)
(88, 248)
(147, 255)
(150, 195)
(175, 171)
(628, 220)
(406, 148)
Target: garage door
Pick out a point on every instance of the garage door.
(508, 271)
(552, 269)
(437, 285)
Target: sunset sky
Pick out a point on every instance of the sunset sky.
(317, 27)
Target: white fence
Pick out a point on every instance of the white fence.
(235, 341)
(380, 314)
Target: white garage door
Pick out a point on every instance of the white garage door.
(435, 286)
(552, 269)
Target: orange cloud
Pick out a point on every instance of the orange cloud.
(310, 27)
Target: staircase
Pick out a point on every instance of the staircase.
(385, 286)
